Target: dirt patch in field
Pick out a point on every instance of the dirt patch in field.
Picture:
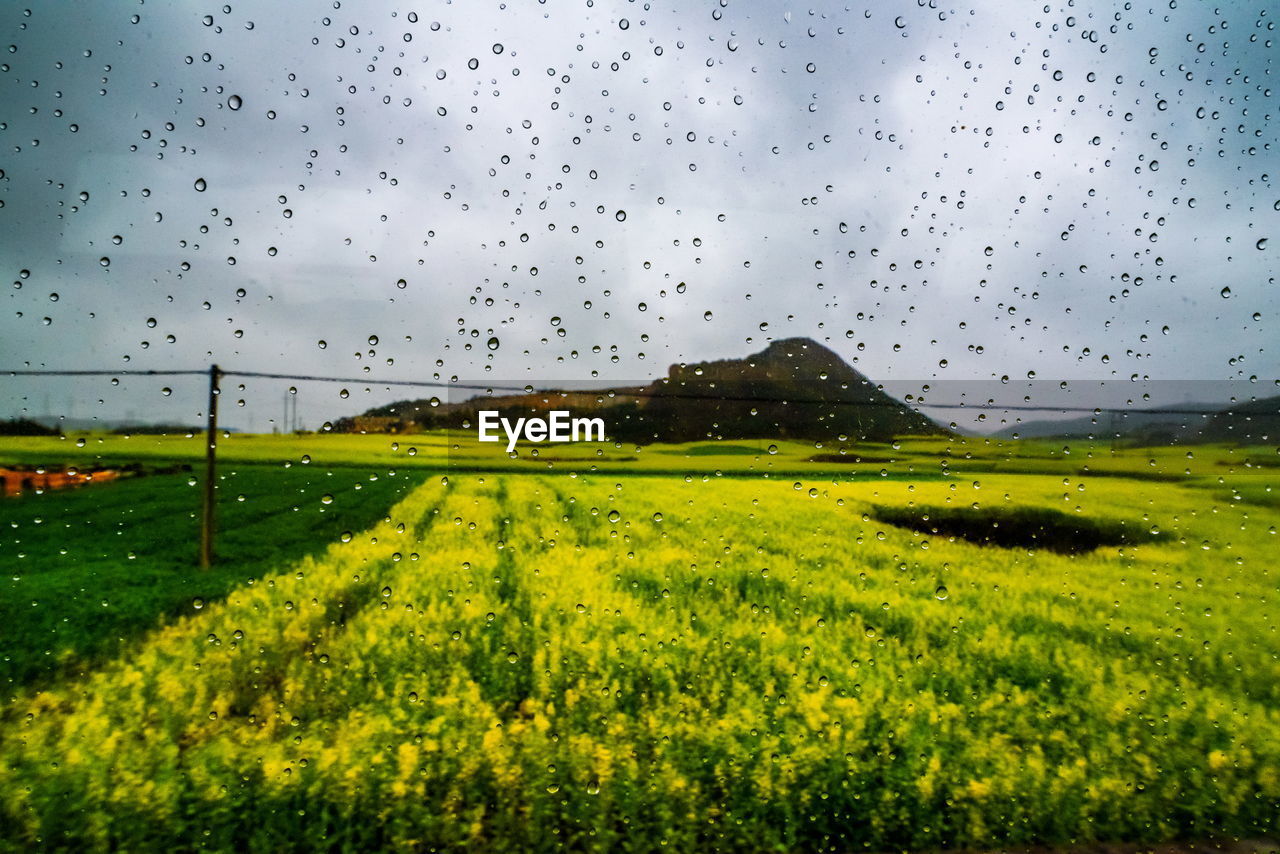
(1018, 527)
(850, 458)
(17, 480)
(547, 458)
(720, 450)
(1219, 846)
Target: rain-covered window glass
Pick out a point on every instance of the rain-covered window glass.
(582, 425)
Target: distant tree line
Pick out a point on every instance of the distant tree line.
(26, 427)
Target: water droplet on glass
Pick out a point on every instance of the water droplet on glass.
(326, 499)
(941, 593)
(200, 185)
(234, 102)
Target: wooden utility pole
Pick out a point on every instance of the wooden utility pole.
(210, 471)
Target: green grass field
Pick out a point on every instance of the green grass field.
(88, 568)
(683, 650)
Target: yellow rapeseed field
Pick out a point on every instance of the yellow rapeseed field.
(520, 662)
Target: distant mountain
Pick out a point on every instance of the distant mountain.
(1183, 425)
(793, 389)
(1248, 422)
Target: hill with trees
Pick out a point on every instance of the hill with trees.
(795, 388)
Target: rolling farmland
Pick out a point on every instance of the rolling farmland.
(618, 660)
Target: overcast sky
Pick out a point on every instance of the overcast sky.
(540, 192)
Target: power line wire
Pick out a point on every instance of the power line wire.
(670, 395)
(203, 373)
(635, 392)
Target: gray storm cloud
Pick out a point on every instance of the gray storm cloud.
(940, 195)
